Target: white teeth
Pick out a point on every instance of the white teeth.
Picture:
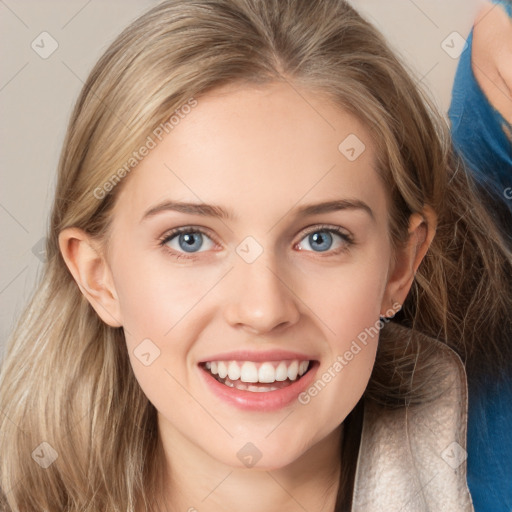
(303, 366)
(251, 372)
(267, 373)
(222, 369)
(281, 372)
(260, 389)
(293, 370)
(233, 371)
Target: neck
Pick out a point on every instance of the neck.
(195, 482)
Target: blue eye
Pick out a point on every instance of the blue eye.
(187, 240)
(322, 239)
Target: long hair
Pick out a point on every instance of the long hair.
(68, 396)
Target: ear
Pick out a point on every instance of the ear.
(84, 258)
(422, 228)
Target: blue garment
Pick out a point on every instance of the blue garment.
(478, 135)
(489, 445)
(477, 127)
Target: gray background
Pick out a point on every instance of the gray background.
(37, 95)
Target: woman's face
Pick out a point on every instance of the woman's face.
(282, 267)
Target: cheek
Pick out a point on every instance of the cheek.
(155, 296)
(156, 308)
(348, 298)
(349, 309)
(156, 302)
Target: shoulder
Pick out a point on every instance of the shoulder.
(414, 457)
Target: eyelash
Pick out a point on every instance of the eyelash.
(167, 237)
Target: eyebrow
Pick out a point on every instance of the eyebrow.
(209, 210)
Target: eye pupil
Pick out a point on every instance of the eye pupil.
(190, 244)
(324, 238)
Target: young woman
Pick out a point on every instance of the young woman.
(248, 193)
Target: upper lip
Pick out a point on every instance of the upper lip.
(248, 355)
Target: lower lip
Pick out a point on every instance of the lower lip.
(260, 401)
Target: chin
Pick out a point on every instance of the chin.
(260, 454)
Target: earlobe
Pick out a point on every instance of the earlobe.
(422, 228)
(86, 262)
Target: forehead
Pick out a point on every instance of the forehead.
(258, 147)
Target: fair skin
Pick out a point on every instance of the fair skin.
(261, 153)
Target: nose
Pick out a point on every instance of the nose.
(261, 300)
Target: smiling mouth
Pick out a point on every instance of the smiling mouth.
(257, 376)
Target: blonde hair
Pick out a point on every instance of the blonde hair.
(66, 379)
